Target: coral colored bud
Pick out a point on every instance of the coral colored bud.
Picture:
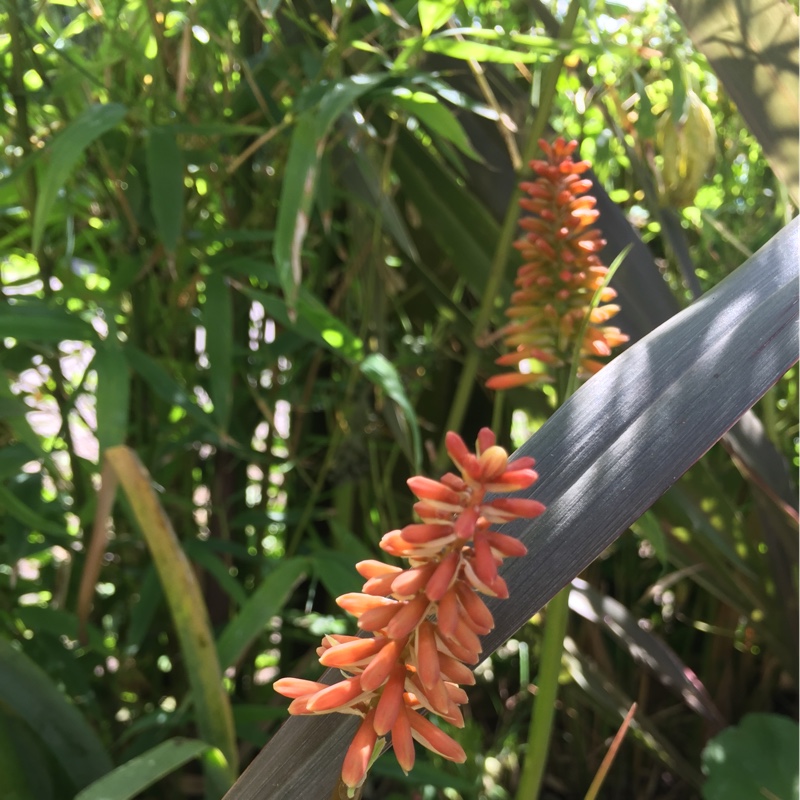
(421, 534)
(375, 569)
(440, 580)
(377, 618)
(483, 561)
(464, 526)
(380, 586)
(297, 687)
(351, 652)
(426, 489)
(411, 581)
(447, 612)
(356, 762)
(408, 617)
(453, 670)
(402, 741)
(435, 739)
(427, 655)
(381, 666)
(340, 694)
(474, 607)
(356, 603)
(506, 545)
(518, 507)
(391, 701)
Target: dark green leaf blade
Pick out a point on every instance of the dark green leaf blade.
(63, 154)
(165, 176)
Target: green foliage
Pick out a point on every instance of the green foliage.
(250, 242)
(757, 758)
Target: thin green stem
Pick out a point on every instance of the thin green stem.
(541, 727)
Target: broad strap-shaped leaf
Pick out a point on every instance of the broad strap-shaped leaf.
(604, 457)
(141, 772)
(185, 601)
(165, 176)
(28, 691)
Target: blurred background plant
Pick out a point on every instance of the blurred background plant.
(253, 244)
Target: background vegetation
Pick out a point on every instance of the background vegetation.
(253, 243)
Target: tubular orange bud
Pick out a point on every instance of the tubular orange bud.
(381, 665)
(447, 612)
(427, 655)
(352, 653)
(379, 617)
(411, 581)
(356, 762)
(380, 586)
(402, 742)
(356, 603)
(297, 687)
(391, 701)
(506, 546)
(375, 569)
(340, 694)
(408, 617)
(422, 534)
(474, 607)
(426, 489)
(512, 507)
(435, 739)
(441, 578)
(453, 670)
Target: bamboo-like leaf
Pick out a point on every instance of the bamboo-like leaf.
(185, 601)
(265, 602)
(165, 176)
(434, 13)
(378, 369)
(752, 46)
(218, 319)
(297, 194)
(130, 779)
(112, 394)
(27, 690)
(604, 457)
(34, 321)
(63, 154)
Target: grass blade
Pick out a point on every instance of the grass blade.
(186, 605)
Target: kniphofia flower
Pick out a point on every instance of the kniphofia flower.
(561, 273)
(425, 620)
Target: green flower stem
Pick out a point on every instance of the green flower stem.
(541, 727)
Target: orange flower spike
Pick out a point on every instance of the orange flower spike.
(356, 762)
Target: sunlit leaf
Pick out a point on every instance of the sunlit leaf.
(63, 154)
